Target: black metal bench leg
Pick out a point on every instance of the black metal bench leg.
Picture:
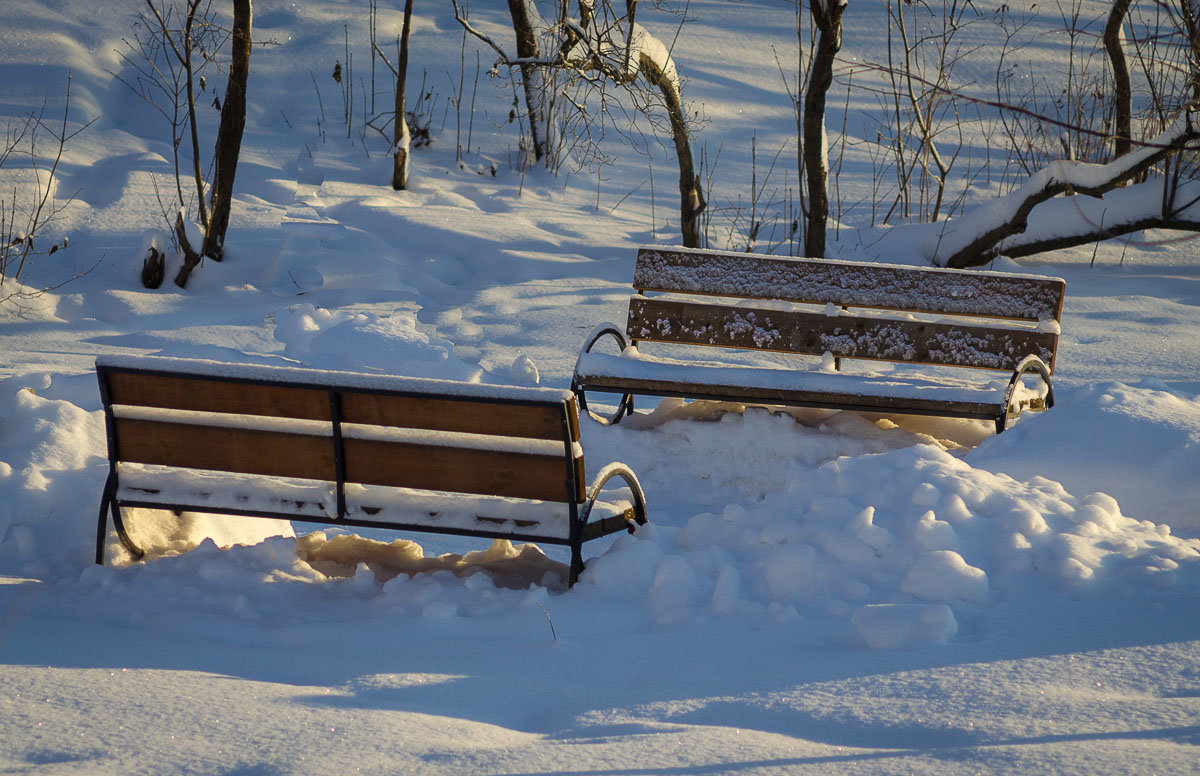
(107, 504)
(576, 565)
(102, 526)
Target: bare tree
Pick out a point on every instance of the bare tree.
(169, 49)
(526, 21)
(25, 217)
(605, 46)
(1122, 88)
(184, 45)
(401, 137)
(173, 43)
(827, 15)
(229, 133)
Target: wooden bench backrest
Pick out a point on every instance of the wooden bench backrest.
(236, 433)
(1016, 301)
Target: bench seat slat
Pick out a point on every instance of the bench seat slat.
(485, 472)
(473, 416)
(853, 284)
(871, 391)
(496, 472)
(811, 333)
(223, 448)
(206, 394)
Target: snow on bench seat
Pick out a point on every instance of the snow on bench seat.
(635, 372)
(148, 486)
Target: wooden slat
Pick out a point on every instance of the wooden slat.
(805, 333)
(852, 284)
(219, 448)
(206, 394)
(797, 397)
(468, 415)
(461, 470)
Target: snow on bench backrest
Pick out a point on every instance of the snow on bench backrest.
(840, 335)
(851, 284)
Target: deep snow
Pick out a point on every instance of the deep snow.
(815, 590)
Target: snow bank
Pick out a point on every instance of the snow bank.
(52, 468)
(868, 534)
(913, 528)
(1139, 443)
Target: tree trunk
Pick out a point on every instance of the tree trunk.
(531, 76)
(1191, 29)
(400, 136)
(691, 196)
(1122, 92)
(827, 15)
(229, 134)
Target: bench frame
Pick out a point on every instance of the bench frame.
(577, 511)
(860, 294)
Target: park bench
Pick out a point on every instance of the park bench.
(353, 450)
(940, 329)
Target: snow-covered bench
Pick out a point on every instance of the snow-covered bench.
(831, 310)
(353, 450)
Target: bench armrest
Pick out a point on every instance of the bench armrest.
(625, 407)
(600, 331)
(1030, 363)
(616, 469)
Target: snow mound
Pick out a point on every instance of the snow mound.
(367, 342)
(1141, 444)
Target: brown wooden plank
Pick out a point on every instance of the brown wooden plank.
(219, 448)
(852, 284)
(572, 411)
(797, 397)
(807, 333)
(207, 394)
(461, 470)
(467, 414)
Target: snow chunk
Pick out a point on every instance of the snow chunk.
(943, 575)
(933, 534)
(890, 626)
(522, 371)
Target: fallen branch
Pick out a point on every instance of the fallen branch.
(977, 238)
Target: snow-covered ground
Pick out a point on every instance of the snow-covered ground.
(815, 591)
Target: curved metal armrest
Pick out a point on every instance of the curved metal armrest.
(1030, 363)
(616, 469)
(600, 331)
(625, 407)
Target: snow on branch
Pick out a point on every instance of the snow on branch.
(994, 227)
